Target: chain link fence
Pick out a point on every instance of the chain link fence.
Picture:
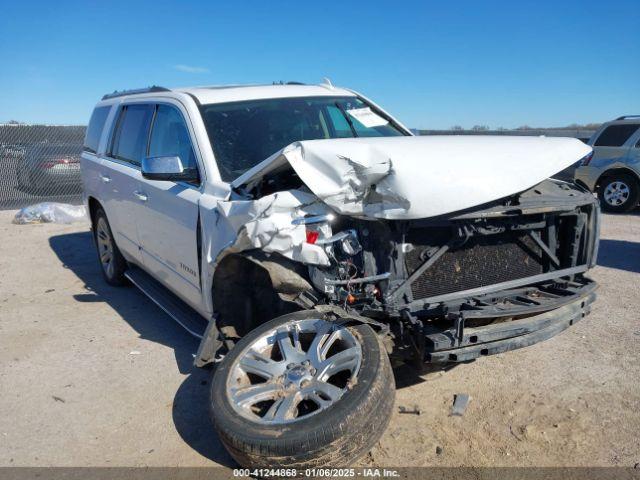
(40, 163)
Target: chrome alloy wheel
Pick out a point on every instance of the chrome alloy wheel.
(616, 193)
(105, 246)
(294, 371)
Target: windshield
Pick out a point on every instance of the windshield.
(245, 133)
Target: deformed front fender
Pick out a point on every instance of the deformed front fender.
(265, 225)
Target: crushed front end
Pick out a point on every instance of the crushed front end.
(478, 282)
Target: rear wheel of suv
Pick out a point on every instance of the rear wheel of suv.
(303, 391)
(619, 193)
(111, 260)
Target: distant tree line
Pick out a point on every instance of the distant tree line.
(486, 128)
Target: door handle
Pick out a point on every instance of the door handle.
(105, 178)
(141, 196)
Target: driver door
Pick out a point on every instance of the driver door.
(168, 224)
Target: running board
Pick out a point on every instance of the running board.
(182, 313)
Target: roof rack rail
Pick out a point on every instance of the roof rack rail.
(282, 82)
(623, 117)
(123, 93)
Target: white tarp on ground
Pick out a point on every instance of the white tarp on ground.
(51, 212)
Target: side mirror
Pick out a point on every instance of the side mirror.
(168, 169)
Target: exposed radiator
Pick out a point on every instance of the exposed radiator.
(482, 261)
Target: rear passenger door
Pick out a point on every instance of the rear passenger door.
(121, 177)
(168, 222)
(91, 164)
(611, 144)
(634, 151)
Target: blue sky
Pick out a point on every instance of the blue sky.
(432, 64)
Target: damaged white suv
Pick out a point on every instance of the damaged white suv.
(307, 238)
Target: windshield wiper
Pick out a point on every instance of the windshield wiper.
(347, 118)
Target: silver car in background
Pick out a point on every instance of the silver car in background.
(612, 170)
(46, 168)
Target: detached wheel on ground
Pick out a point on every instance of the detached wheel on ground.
(619, 193)
(302, 391)
(113, 264)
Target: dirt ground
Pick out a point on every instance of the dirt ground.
(92, 375)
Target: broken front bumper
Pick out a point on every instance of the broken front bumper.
(461, 344)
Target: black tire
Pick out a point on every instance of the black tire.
(334, 437)
(629, 202)
(114, 272)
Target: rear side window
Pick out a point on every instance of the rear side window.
(130, 138)
(616, 135)
(94, 130)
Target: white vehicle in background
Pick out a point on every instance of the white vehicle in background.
(307, 238)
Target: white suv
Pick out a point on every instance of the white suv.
(306, 237)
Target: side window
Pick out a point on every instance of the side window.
(170, 137)
(616, 135)
(132, 130)
(94, 130)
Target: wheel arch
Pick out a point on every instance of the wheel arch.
(93, 205)
(617, 171)
(250, 288)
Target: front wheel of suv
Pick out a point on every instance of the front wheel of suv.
(619, 193)
(303, 391)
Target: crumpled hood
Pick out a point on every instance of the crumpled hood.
(421, 177)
